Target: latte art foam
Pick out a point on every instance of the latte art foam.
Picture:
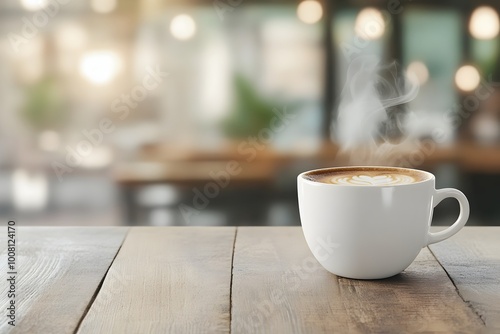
(367, 176)
(377, 180)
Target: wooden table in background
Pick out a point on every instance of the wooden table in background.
(159, 164)
(240, 280)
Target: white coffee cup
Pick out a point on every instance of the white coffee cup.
(372, 231)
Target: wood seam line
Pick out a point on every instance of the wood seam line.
(469, 304)
(98, 289)
(231, 282)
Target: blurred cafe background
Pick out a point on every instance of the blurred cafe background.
(170, 112)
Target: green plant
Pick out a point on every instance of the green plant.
(250, 112)
(44, 107)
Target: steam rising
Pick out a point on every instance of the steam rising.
(370, 115)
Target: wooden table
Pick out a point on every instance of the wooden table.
(239, 280)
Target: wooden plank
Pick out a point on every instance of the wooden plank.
(472, 259)
(59, 270)
(167, 280)
(278, 287)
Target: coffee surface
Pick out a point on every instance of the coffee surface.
(377, 176)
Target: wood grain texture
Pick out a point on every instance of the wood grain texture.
(278, 287)
(59, 270)
(167, 280)
(472, 259)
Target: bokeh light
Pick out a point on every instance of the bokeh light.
(369, 24)
(484, 23)
(467, 78)
(418, 72)
(30, 190)
(34, 5)
(100, 67)
(183, 27)
(310, 11)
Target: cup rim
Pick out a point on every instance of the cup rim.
(431, 176)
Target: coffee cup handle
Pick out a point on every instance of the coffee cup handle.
(440, 195)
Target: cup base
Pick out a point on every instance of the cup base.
(369, 278)
(360, 275)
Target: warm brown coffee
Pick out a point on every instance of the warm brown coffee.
(367, 176)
